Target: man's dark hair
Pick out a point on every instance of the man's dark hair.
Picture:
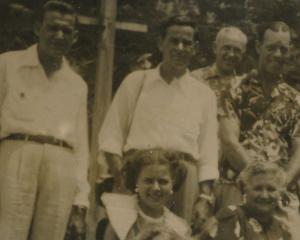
(181, 20)
(274, 26)
(59, 6)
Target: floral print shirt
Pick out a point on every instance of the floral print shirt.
(268, 122)
(218, 83)
(235, 223)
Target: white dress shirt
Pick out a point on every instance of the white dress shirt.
(32, 103)
(177, 116)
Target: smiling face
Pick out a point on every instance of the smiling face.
(56, 33)
(177, 46)
(155, 185)
(274, 51)
(229, 54)
(262, 194)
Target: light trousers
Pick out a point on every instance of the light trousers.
(37, 188)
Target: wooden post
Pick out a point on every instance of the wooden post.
(102, 98)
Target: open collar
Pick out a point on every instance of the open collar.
(156, 76)
(31, 58)
(122, 212)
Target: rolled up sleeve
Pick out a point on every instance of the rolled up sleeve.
(82, 154)
(114, 130)
(208, 142)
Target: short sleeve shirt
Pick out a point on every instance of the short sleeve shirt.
(218, 83)
(268, 122)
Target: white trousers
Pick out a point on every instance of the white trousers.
(37, 188)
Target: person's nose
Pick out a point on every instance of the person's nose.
(59, 34)
(265, 194)
(230, 53)
(278, 53)
(180, 46)
(155, 186)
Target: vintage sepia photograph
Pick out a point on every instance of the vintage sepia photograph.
(150, 120)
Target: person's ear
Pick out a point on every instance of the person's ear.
(258, 47)
(75, 36)
(160, 44)
(37, 29)
(214, 47)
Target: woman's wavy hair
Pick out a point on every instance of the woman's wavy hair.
(262, 168)
(136, 160)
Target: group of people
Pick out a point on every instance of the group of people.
(207, 154)
(215, 155)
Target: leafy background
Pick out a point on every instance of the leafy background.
(17, 29)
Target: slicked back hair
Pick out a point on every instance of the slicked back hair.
(274, 26)
(58, 6)
(179, 20)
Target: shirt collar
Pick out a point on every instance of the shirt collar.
(155, 75)
(32, 60)
(122, 211)
(215, 72)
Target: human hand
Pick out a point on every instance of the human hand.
(76, 229)
(288, 214)
(203, 210)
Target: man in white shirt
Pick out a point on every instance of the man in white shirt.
(165, 107)
(44, 147)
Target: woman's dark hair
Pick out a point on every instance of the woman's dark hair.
(136, 160)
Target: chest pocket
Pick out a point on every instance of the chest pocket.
(23, 98)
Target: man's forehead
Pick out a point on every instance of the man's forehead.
(231, 41)
(281, 36)
(59, 16)
(181, 29)
(231, 34)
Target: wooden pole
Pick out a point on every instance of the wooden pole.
(102, 99)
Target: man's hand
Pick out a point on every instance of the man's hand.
(203, 210)
(288, 214)
(204, 206)
(76, 229)
(115, 169)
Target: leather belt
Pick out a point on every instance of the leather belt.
(39, 139)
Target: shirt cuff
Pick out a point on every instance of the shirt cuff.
(82, 196)
(208, 173)
(111, 147)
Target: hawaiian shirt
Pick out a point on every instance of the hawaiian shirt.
(218, 83)
(268, 122)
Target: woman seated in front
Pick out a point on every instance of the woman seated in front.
(152, 175)
(262, 214)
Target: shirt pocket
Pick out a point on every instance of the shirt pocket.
(22, 103)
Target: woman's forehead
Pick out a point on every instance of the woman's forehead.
(269, 178)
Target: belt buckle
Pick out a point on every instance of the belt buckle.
(26, 138)
(57, 142)
(60, 143)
